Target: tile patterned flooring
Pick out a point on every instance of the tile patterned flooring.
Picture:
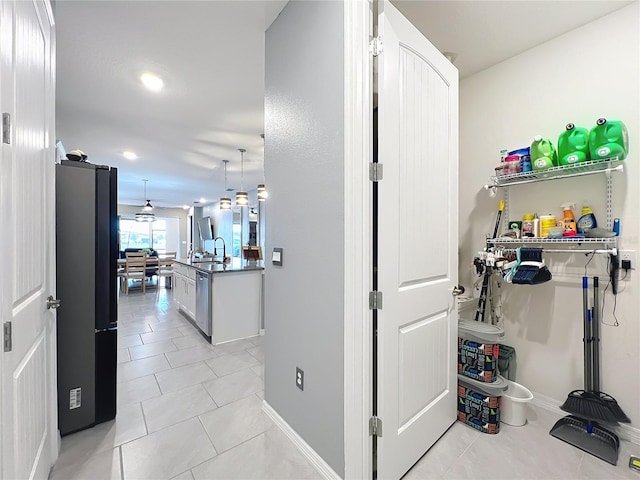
(186, 410)
(190, 411)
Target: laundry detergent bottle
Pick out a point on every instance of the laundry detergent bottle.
(543, 154)
(573, 145)
(609, 138)
(587, 220)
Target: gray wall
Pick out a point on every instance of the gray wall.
(304, 161)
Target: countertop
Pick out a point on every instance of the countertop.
(236, 265)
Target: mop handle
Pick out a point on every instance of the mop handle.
(482, 303)
(586, 314)
(595, 340)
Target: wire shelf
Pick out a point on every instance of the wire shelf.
(555, 173)
(563, 241)
(607, 245)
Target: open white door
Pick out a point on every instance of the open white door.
(417, 244)
(27, 159)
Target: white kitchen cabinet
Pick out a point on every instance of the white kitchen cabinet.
(184, 294)
(189, 305)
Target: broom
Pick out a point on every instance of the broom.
(587, 403)
(609, 401)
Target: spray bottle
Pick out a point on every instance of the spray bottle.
(568, 220)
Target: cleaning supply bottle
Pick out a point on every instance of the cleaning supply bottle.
(587, 220)
(527, 225)
(536, 225)
(609, 138)
(568, 220)
(573, 145)
(543, 154)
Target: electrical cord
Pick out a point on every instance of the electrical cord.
(615, 323)
(593, 254)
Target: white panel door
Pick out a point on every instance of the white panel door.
(27, 201)
(417, 235)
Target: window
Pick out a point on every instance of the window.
(134, 234)
(159, 236)
(163, 235)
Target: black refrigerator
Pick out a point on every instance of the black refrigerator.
(86, 263)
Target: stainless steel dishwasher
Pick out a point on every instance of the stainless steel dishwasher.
(203, 302)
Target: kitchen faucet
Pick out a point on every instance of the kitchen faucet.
(224, 249)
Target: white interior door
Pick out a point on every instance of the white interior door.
(417, 240)
(28, 415)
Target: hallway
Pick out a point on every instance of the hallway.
(185, 409)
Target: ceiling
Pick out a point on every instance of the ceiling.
(210, 55)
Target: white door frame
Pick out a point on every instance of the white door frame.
(358, 153)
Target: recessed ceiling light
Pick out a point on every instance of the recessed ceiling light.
(129, 155)
(152, 82)
(202, 200)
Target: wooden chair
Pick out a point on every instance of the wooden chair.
(121, 276)
(165, 267)
(135, 268)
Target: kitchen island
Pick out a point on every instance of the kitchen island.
(222, 300)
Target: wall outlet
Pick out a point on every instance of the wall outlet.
(299, 378)
(628, 255)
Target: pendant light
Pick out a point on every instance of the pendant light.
(225, 202)
(262, 190)
(242, 199)
(145, 215)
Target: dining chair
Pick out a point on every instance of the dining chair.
(165, 267)
(135, 269)
(120, 274)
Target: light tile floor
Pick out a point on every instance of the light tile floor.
(190, 411)
(186, 410)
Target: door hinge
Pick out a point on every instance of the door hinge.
(375, 45)
(7, 336)
(375, 300)
(375, 172)
(375, 427)
(6, 128)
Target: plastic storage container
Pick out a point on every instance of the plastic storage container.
(479, 403)
(609, 138)
(573, 145)
(478, 350)
(514, 404)
(543, 154)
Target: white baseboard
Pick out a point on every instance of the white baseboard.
(624, 431)
(310, 454)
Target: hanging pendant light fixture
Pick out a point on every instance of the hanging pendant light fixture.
(225, 202)
(242, 199)
(145, 215)
(262, 190)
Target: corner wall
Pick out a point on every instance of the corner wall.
(304, 167)
(587, 73)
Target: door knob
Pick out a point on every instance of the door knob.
(52, 302)
(457, 290)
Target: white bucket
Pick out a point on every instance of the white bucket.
(514, 404)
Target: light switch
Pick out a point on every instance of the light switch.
(276, 257)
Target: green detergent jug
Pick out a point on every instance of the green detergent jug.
(573, 145)
(609, 138)
(543, 154)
